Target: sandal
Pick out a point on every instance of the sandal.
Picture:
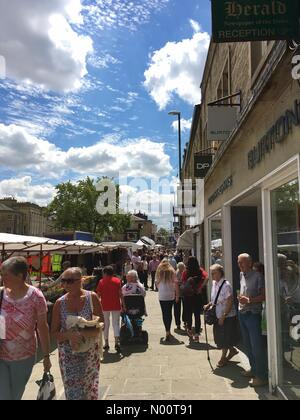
(222, 363)
(232, 354)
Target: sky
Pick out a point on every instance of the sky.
(85, 90)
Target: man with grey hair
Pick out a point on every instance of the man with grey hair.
(252, 295)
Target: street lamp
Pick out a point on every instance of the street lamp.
(178, 114)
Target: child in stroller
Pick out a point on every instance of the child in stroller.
(134, 311)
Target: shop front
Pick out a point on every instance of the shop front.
(252, 206)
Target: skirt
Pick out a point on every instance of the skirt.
(228, 335)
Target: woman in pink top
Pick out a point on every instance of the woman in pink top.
(23, 308)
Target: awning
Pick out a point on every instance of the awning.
(186, 240)
(127, 245)
(147, 241)
(21, 244)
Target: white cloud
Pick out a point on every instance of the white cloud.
(185, 125)
(177, 68)
(24, 190)
(40, 45)
(103, 61)
(195, 26)
(130, 15)
(20, 150)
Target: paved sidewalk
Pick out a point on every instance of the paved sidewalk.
(175, 371)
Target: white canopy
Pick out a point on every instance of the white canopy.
(147, 241)
(34, 245)
(127, 245)
(186, 240)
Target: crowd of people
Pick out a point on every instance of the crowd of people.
(181, 286)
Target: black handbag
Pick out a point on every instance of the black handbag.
(210, 315)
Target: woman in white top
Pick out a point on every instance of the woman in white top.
(168, 293)
(226, 334)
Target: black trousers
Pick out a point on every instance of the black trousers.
(166, 308)
(153, 279)
(177, 312)
(146, 279)
(193, 306)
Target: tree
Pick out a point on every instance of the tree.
(74, 208)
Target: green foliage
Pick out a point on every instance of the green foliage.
(74, 208)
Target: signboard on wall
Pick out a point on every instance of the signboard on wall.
(254, 20)
(221, 122)
(202, 165)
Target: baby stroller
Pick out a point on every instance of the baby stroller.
(132, 321)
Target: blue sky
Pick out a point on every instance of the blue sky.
(88, 87)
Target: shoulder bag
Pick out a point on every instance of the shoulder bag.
(210, 316)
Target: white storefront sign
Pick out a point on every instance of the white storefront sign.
(221, 122)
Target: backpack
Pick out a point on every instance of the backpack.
(190, 288)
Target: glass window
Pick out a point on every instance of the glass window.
(216, 240)
(286, 245)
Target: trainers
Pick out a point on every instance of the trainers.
(247, 374)
(256, 383)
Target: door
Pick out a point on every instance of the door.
(244, 238)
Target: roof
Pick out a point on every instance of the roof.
(3, 207)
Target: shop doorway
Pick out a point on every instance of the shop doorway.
(245, 228)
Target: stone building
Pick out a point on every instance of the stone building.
(250, 196)
(22, 218)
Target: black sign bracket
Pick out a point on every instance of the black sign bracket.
(225, 98)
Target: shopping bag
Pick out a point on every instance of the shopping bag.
(47, 390)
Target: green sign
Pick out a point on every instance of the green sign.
(255, 20)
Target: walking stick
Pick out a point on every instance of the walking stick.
(207, 346)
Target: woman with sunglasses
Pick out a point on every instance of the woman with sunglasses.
(80, 371)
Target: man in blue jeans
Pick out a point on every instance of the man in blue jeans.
(252, 295)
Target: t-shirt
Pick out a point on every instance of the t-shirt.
(225, 293)
(133, 289)
(21, 317)
(153, 265)
(252, 284)
(109, 291)
(166, 290)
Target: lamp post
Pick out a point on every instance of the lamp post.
(178, 114)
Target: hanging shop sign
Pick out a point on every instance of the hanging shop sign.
(221, 121)
(226, 184)
(276, 135)
(202, 165)
(254, 20)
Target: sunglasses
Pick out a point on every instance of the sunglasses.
(69, 281)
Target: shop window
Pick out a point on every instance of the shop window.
(216, 241)
(258, 52)
(286, 249)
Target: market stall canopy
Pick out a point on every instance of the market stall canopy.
(186, 240)
(10, 243)
(127, 245)
(33, 244)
